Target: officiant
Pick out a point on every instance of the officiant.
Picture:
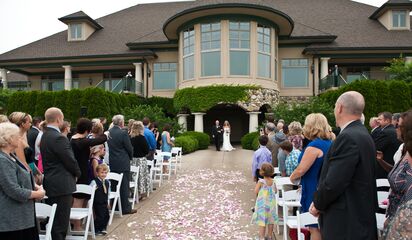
(217, 134)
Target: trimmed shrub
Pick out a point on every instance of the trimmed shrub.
(255, 143)
(247, 140)
(44, 101)
(189, 144)
(401, 96)
(73, 105)
(202, 138)
(165, 103)
(201, 99)
(382, 92)
(5, 95)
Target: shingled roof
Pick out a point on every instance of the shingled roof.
(345, 20)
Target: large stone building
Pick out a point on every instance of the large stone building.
(289, 48)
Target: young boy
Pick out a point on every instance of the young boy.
(100, 204)
(291, 161)
(260, 156)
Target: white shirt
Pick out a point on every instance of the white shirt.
(398, 155)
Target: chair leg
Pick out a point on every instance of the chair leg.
(113, 209)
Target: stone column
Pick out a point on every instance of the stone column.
(67, 77)
(253, 121)
(138, 78)
(408, 60)
(324, 67)
(182, 120)
(3, 74)
(199, 121)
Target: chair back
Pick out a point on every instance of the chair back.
(291, 195)
(150, 163)
(303, 220)
(158, 151)
(45, 210)
(382, 182)
(134, 169)
(281, 181)
(115, 177)
(382, 195)
(166, 154)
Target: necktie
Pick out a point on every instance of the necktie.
(104, 187)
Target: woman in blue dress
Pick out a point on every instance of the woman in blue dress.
(317, 130)
(167, 143)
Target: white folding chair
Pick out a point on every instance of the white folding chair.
(44, 211)
(289, 199)
(158, 170)
(83, 213)
(178, 156)
(134, 184)
(382, 195)
(174, 160)
(280, 182)
(150, 165)
(277, 172)
(167, 163)
(301, 220)
(115, 195)
(158, 151)
(380, 221)
(382, 182)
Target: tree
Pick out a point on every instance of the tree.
(400, 70)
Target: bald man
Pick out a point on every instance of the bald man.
(60, 171)
(346, 199)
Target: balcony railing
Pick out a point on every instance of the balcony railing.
(331, 81)
(124, 85)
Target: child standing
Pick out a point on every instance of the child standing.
(100, 204)
(265, 214)
(96, 154)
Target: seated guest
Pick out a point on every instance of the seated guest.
(260, 156)
(292, 154)
(17, 190)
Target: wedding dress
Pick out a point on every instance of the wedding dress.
(226, 140)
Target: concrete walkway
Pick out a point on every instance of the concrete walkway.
(210, 198)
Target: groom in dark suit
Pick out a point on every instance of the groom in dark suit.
(346, 199)
(217, 134)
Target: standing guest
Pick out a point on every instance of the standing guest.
(316, 129)
(374, 124)
(37, 154)
(96, 154)
(400, 177)
(3, 118)
(33, 133)
(346, 199)
(272, 145)
(65, 129)
(17, 190)
(129, 124)
(400, 227)
(121, 153)
(103, 121)
(216, 134)
(23, 152)
(280, 137)
(395, 119)
(140, 150)
(292, 156)
(295, 135)
(101, 197)
(150, 138)
(60, 171)
(280, 125)
(260, 156)
(81, 149)
(386, 142)
(158, 138)
(167, 144)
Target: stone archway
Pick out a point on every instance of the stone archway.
(236, 115)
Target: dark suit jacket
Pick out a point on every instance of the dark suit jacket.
(31, 136)
(375, 133)
(60, 166)
(346, 194)
(388, 143)
(215, 133)
(120, 150)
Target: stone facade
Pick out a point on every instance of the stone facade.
(258, 98)
(294, 99)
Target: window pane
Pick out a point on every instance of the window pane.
(395, 19)
(215, 45)
(216, 36)
(205, 27)
(216, 26)
(239, 62)
(244, 44)
(164, 80)
(402, 19)
(206, 36)
(264, 65)
(233, 35)
(233, 25)
(293, 75)
(205, 45)
(211, 63)
(234, 44)
(244, 26)
(188, 67)
(244, 35)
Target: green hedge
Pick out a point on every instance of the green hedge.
(189, 144)
(5, 95)
(202, 138)
(201, 99)
(165, 103)
(247, 140)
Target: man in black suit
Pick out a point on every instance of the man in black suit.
(120, 155)
(373, 123)
(346, 199)
(32, 134)
(60, 171)
(386, 142)
(216, 134)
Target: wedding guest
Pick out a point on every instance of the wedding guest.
(260, 156)
(23, 152)
(316, 129)
(155, 131)
(101, 197)
(60, 171)
(272, 145)
(374, 125)
(150, 138)
(345, 200)
(3, 118)
(17, 190)
(216, 134)
(400, 227)
(129, 124)
(295, 135)
(33, 133)
(167, 143)
(280, 137)
(140, 150)
(292, 154)
(96, 154)
(65, 129)
(395, 119)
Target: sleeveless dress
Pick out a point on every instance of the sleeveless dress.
(309, 181)
(166, 147)
(265, 207)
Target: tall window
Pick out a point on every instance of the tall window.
(399, 19)
(164, 76)
(264, 51)
(239, 40)
(188, 54)
(76, 31)
(210, 49)
(295, 72)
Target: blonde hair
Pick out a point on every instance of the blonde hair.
(3, 118)
(97, 128)
(7, 132)
(137, 129)
(316, 126)
(96, 149)
(19, 118)
(102, 166)
(295, 128)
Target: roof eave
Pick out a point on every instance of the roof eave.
(322, 49)
(307, 39)
(375, 15)
(146, 45)
(88, 19)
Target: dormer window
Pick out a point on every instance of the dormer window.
(399, 19)
(76, 32)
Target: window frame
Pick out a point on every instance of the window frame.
(165, 70)
(210, 50)
(76, 37)
(268, 53)
(239, 49)
(308, 73)
(190, 36)
(399, 18)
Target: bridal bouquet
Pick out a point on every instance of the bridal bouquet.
(227, 131)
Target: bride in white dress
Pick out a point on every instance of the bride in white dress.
(226, 137)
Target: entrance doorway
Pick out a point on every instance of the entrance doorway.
(237, 117)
